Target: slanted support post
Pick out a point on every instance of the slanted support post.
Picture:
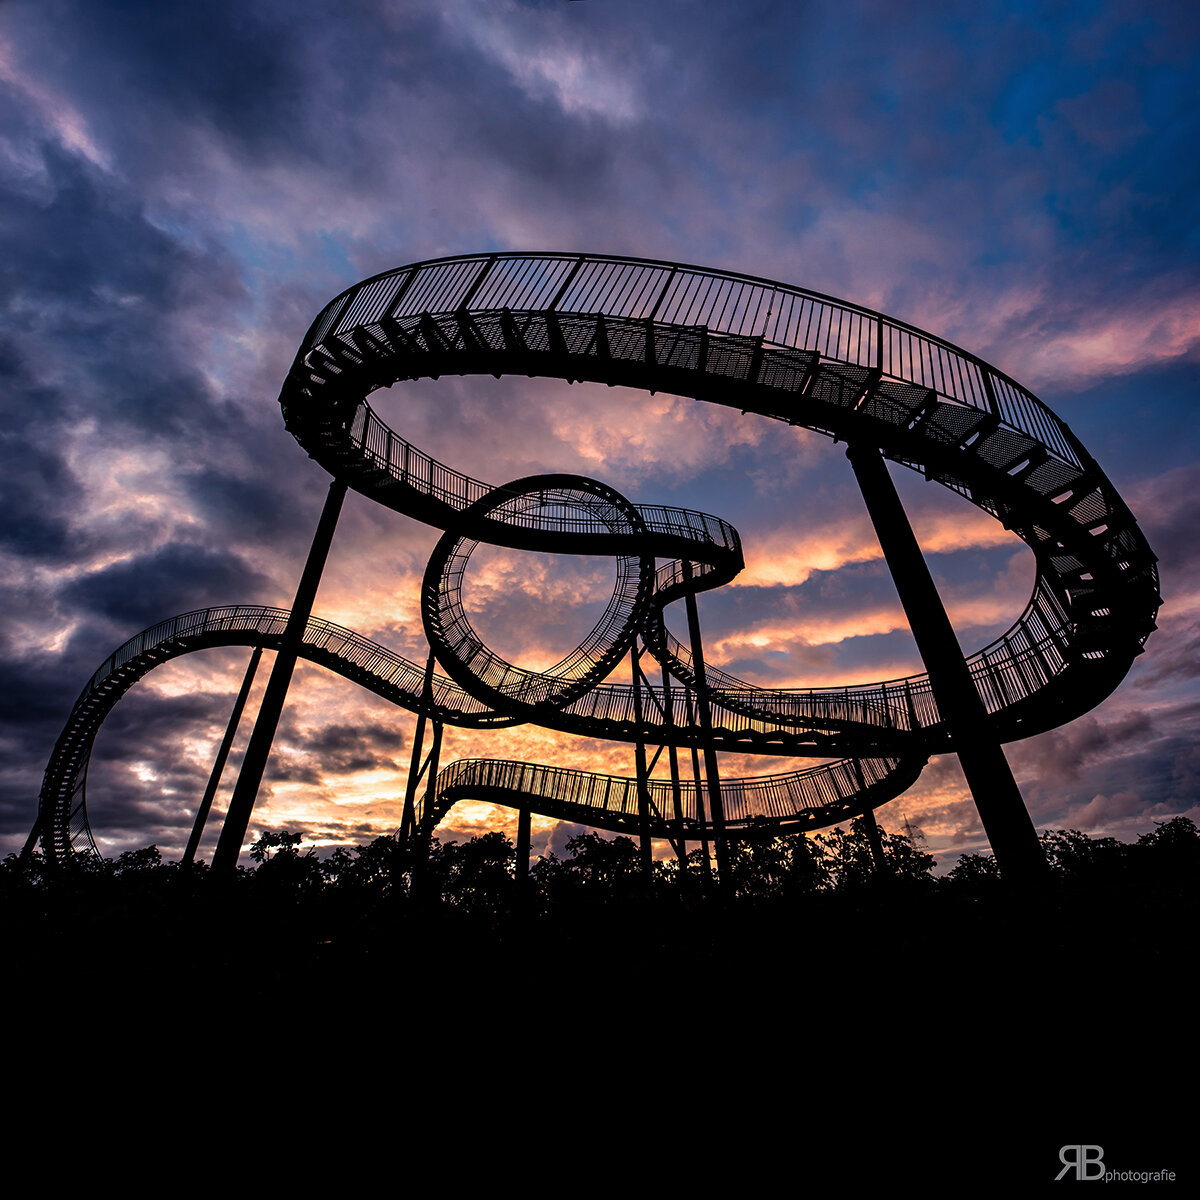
(872, 826)
(245, 792)
(698, 784)
(882, 869)
(715, 807)
(408, 819)
(420, 842)
(214, 779)
(428, 817)
(673, 759)
(997, 797)
(643, 788)
(524, 847)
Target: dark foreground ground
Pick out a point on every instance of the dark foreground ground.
(955, 1035)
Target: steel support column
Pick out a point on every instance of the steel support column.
(408, 819)
(997, 797)
(524, 841)
(245, 792)
(646, 855)
(435, 752)
(872, 826)
(876, 842)
(724, 876)
(698, 783)
(673, 760)
(420, 843)
(214, 779)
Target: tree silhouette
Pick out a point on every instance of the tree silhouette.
(287, 872)
(596, 870)
(1174, 845)
(767, 865)
(133, 861)
(852, 865)
(1072, 853)
(973, 873)
(475, 877)
(285, 842)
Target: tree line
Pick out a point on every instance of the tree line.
(480, 876)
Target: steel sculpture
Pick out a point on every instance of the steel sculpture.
(883, 387)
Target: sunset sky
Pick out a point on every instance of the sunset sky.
(185, 186)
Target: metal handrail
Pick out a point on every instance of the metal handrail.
(778, 796)
(722, 302)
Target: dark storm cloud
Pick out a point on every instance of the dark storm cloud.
(255, 76)
(1179, 661)
(154, 722)
(1116, 765)
(39, 494)
(1117, 788)
(35, 696)
(1058, 757)
(286, 768)
(35, 690)
(340, 107)
(869, 116)
(94, 298)
(311, 755)
(171, 580)
(227, 64)
(341, 749)
(255, 505)
(85, 273)
(1165, 508)
(142, 789)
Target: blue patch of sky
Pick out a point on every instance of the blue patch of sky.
(1021, 106)
(1045, 78)
(1169, 96)
(332, 252)
(1138, 424)
(181, 229)
(977, 566)
(1164, 171)
(857, 656)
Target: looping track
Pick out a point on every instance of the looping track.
(763, 347)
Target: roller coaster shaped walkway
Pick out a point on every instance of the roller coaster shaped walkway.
(783, 352)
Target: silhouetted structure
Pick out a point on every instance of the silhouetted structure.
(886, 389)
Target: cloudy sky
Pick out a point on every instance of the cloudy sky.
(185, 186)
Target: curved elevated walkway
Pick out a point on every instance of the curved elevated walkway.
(763, 347)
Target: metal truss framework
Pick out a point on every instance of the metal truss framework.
(879, 385)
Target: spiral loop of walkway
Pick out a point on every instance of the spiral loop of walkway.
(481, 671)
(785, 353)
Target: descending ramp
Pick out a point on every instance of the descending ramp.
(801, 798)
(793, 800)
(763, 347)
(341, 650)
